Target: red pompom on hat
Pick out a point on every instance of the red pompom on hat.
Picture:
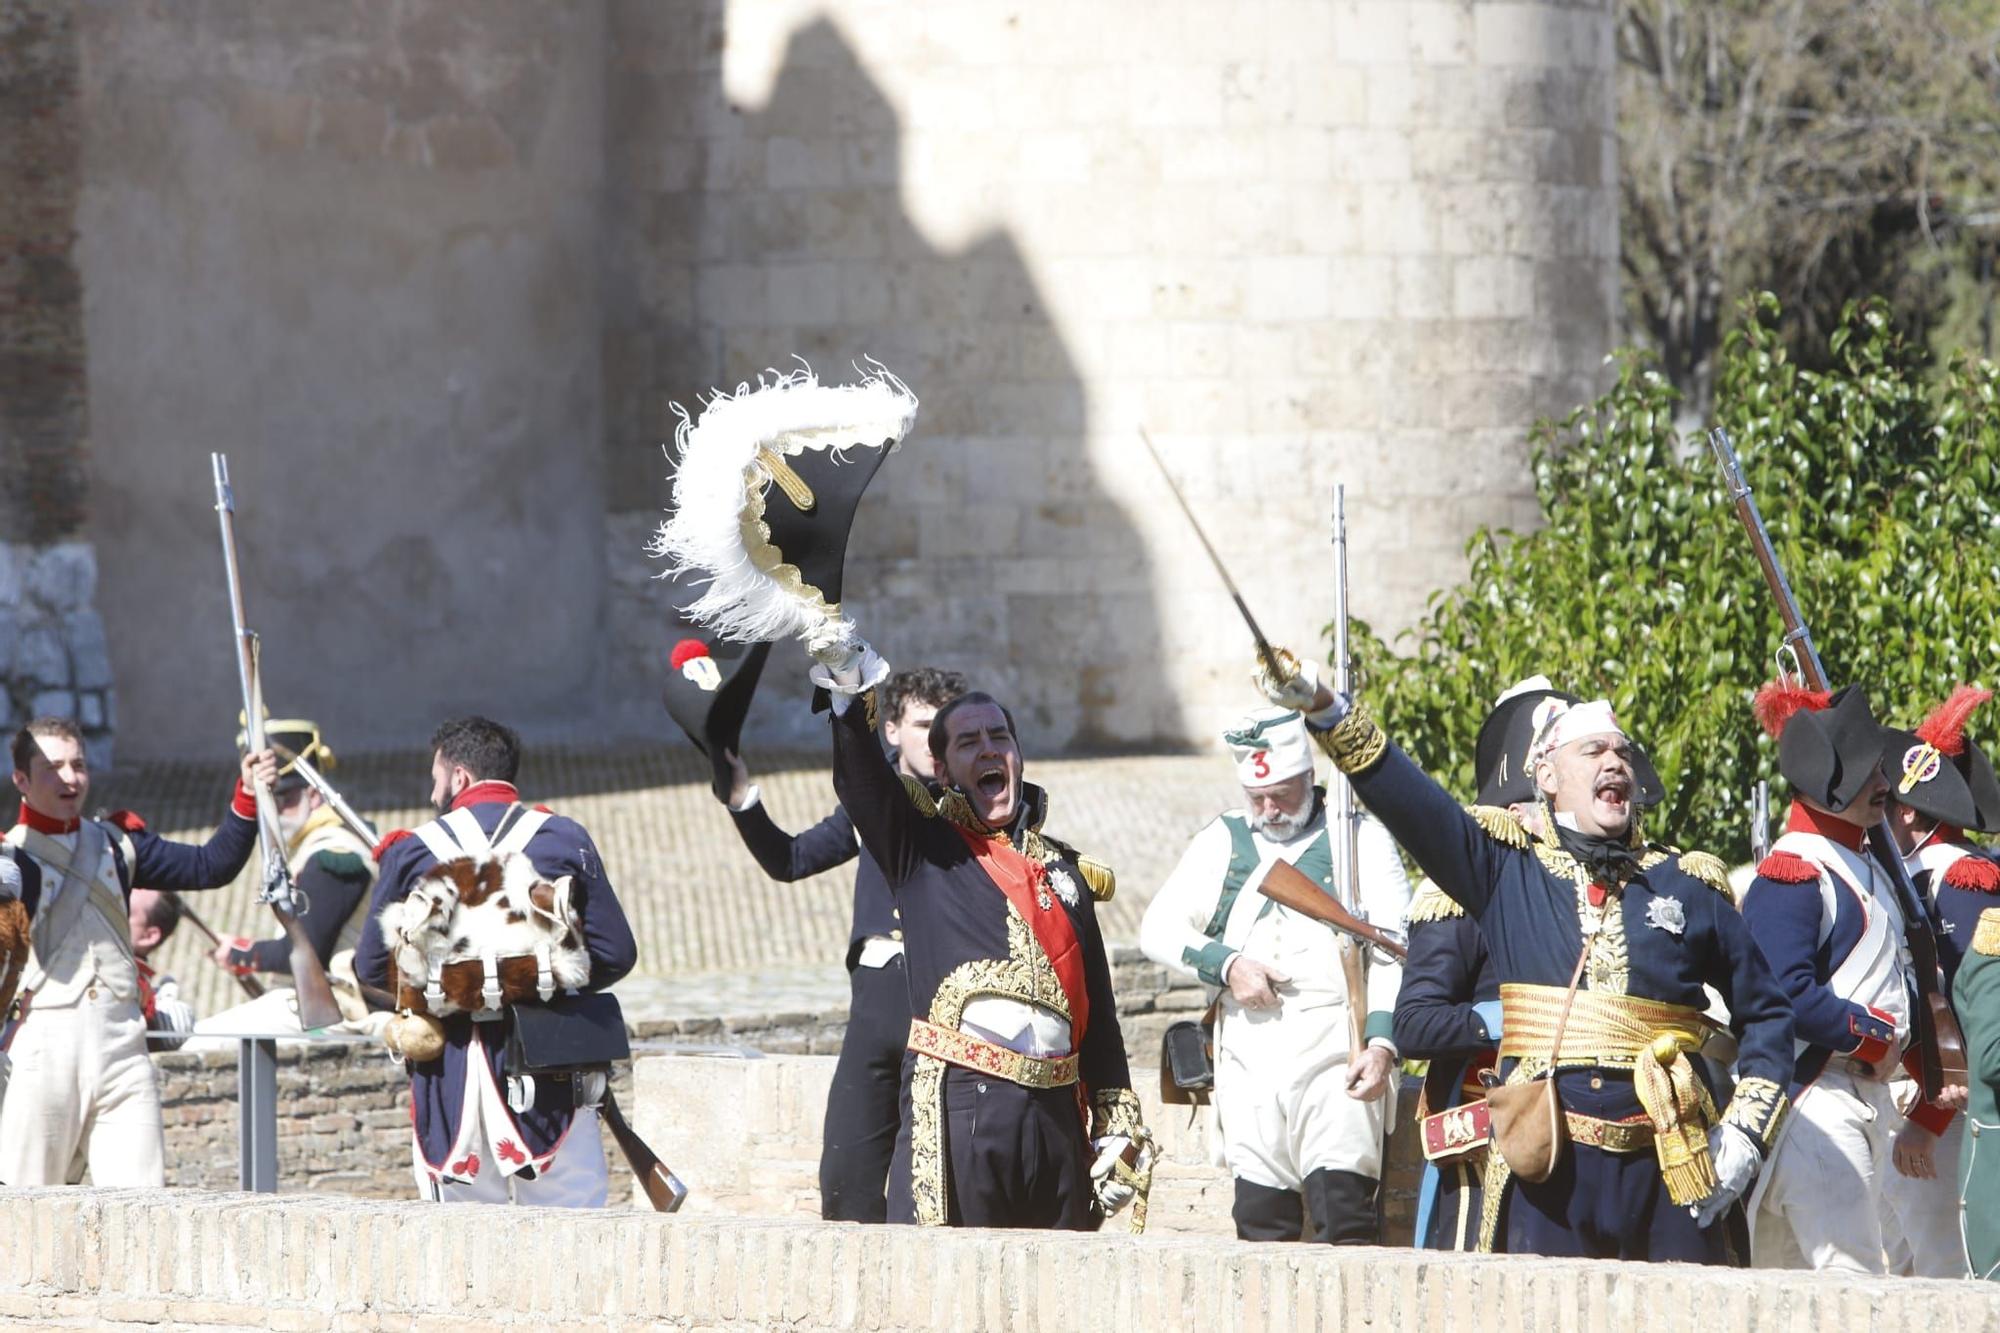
(1777, 702)
(1944, 729)
(687, 650)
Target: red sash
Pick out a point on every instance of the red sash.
(1025, 881)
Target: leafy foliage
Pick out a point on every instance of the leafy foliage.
(1880, 486)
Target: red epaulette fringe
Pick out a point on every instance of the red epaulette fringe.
(1787, 868)
(126, 820)
(389, 839)
(1975, 873)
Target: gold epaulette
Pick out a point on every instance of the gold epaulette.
(920, 797)
(1986, 935)
(1499, 824)
(1432, 903)
(1098, 877)
(1709, 869)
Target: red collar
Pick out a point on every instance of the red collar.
(484, 793)
(42, 823)
(1805, 819)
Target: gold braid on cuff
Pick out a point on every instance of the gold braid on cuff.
(1758, 1108)
(1355, 742)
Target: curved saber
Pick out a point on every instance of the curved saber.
(1264, 649)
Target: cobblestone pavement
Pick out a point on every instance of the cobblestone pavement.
(715, 936)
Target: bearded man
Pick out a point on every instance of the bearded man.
(1298, 1115)
(1009, 984)
(1602, 943)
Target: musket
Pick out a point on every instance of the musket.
(1940, 1044)
(317, 781)
(1342, 813)
(1760, 822)
(317, 1008)
(1264, 649)
(251, 986)
(664, 1190)
(1288, 886)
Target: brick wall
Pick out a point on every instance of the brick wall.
(134, 1259)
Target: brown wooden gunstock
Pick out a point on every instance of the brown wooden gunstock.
(664, 1189)
(1286, 885)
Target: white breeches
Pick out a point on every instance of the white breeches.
(1920, 1217)
(82, 1093)
(1820, 1202)
(1281, 1094)
(577, 1176)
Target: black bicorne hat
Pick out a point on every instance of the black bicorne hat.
(1941, 772)
(809, 509)
(1828, 745)
(1500, 757)
(709, 685)
(295, 738)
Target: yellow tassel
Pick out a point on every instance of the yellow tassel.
(1433, 904)
(1709, 869)
(1666, 1085)
(1098, 877)
(920, 797)
(1499, 825)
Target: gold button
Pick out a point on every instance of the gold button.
(1596, 1082)
(91, 994)
(895, 934)
(896, 912)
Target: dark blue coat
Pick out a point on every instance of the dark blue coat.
(832, 842)
(437, 1087)
(1527, 913)
(159, 863)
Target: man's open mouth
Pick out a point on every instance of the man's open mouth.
(991, 781)
(1614, 791)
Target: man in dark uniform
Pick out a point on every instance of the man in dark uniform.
(1448, 1010)
(1651, 1167)
(1008, 976)
(469, 1142)
(1941, 785)
(863, 1104)
(332, 867)
(1975, 993)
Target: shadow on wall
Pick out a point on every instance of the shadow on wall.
(743, 236)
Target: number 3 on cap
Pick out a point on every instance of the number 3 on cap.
(1261, 764)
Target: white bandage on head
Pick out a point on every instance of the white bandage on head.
(1558, 723)
(1270, 745)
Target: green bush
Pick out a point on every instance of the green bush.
(1879, 481)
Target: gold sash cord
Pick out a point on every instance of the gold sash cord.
(1649, 1037)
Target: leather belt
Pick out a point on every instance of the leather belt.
(969, 1052)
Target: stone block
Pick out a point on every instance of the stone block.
(63, 577)
(53, 703)
(14, 560)
(1368, 33)
(90, 654)
(41, 658)
(1288, 287)
(1520, 34)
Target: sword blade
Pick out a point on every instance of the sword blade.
(1264, 648)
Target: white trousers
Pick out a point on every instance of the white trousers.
(1281, 1094)
(1920, 1217)
(577, 1176)
(82, 1093)
(1820, 1202)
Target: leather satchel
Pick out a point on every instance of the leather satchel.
(1187, 1061)
(567, 1033)
(1527, 1117)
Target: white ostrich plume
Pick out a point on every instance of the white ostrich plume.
(720, 484)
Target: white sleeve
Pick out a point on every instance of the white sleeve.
(1385, 897)
(1171, 932)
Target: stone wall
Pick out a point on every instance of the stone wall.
(53, 657)
(133, 1259)
(432, 274)
(356, 248)
(1298, 242)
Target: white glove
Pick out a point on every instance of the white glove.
(1736, 1161)
(1113, 1193)
(835, 644)
(1295, 686)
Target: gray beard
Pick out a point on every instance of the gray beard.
(1283, 828)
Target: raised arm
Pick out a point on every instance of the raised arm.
(331, 884)
(787, 857)
(873, 794)
(1439, 1013)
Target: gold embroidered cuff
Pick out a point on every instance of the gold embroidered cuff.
(1355, 743)
(1116, 1111)
(1758, 1108)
